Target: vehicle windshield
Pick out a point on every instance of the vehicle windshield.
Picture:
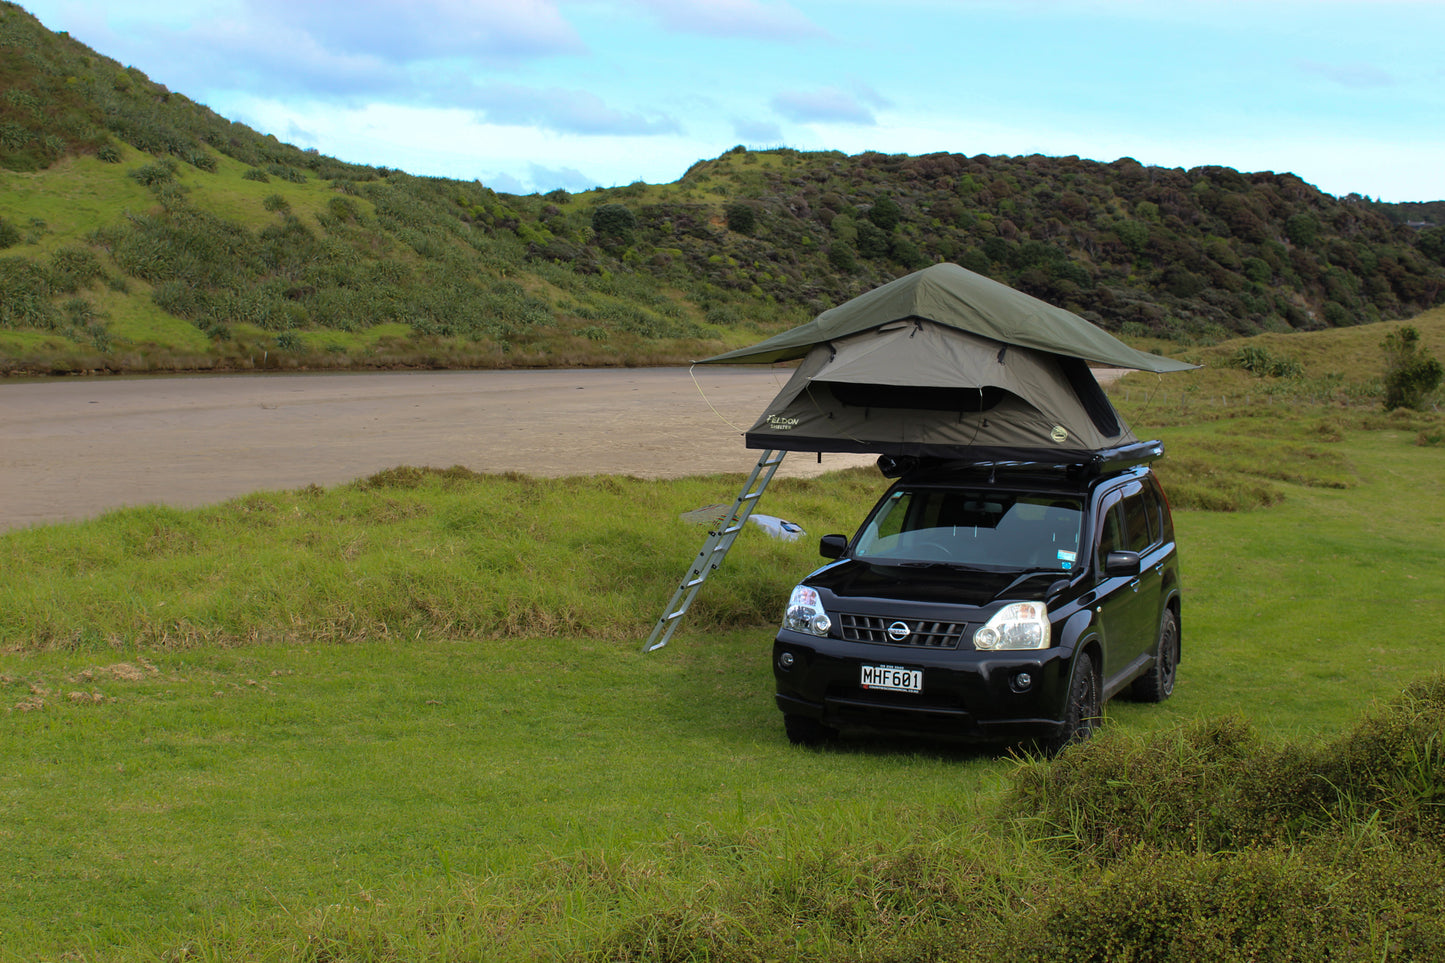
(1003, 531)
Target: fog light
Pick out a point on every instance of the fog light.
(786, 660)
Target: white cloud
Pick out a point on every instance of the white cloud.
(752, 19)
(568, 111)
(567, 178)
(758, 132)
(423, 29)
(824, 105)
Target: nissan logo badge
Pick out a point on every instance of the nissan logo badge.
(898, 631)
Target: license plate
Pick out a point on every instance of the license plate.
(893, 678)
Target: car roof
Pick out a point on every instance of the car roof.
(1016, 477)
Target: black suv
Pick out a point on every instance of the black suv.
(988, 602)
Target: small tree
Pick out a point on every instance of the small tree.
(614, 221)
(1411, 373)
(741, 218)
(872, 241)
(840, 256)
(885, 213)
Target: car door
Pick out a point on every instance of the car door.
(1122, 603)
(1142, 524)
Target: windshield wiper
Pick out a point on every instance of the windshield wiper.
(1025, 574)
(961, 566)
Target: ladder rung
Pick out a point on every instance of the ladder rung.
(715, 549)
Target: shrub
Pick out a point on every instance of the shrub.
(72, 268)
(108, 154)
(9, 234)
(25, 295)
(614, 221)
(885, 213)
(1302, 229)
(1411, 373)
(1216, 786)
(741, 218)
(1338, 316)
(872, 241)
(344, 209)
(152, 175)
(1258, 360)
(286, 173)
(256, 174)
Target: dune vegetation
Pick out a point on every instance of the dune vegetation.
(140, 231)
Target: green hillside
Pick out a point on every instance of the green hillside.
(140, 231)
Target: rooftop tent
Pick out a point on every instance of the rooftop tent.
(945, 363)
(916, 388)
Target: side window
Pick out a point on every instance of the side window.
(1138, 523)
(1161, 508)
(1111, 532)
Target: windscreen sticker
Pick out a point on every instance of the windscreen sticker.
(1067, 558)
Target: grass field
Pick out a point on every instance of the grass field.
(408, 719)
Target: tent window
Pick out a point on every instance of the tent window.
(1091, 396)
(922, 398)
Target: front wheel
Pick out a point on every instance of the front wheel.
(1157, 684)
(1085, 709)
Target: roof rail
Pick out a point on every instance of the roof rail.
(1088, 466)
(1125, 456)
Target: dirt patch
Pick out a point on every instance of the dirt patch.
(75, 448)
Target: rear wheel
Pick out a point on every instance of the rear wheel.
(1157, 684)
(803, 731)
(1085, 709)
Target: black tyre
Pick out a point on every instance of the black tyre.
(1157, 684)
(803, 731)
(1085, 709)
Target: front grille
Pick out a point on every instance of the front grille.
(922, 633)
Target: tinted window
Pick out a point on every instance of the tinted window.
(1155, 494)
(1111, 533)
(984, 528)
(1141, 527)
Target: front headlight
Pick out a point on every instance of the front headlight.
(805, 612)
(1022, 625)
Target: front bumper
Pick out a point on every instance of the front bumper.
(985, 696)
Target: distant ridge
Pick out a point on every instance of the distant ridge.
(181, 240)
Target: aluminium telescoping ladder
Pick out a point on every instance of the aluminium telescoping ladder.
(715, 548)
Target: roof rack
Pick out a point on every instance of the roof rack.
(1090, 465)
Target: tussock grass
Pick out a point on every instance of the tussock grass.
(407, 552)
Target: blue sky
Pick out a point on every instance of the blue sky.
(531, 95)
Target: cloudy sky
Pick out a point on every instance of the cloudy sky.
(531, 95)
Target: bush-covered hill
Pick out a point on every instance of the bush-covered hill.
(142, 231)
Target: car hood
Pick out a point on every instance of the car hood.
(852, 579)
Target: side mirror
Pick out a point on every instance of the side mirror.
(1121, 564)
(833, 546)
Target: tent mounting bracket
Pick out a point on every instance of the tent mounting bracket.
(715, 549)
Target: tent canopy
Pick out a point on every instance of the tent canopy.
(956, 297)
(916, 388)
